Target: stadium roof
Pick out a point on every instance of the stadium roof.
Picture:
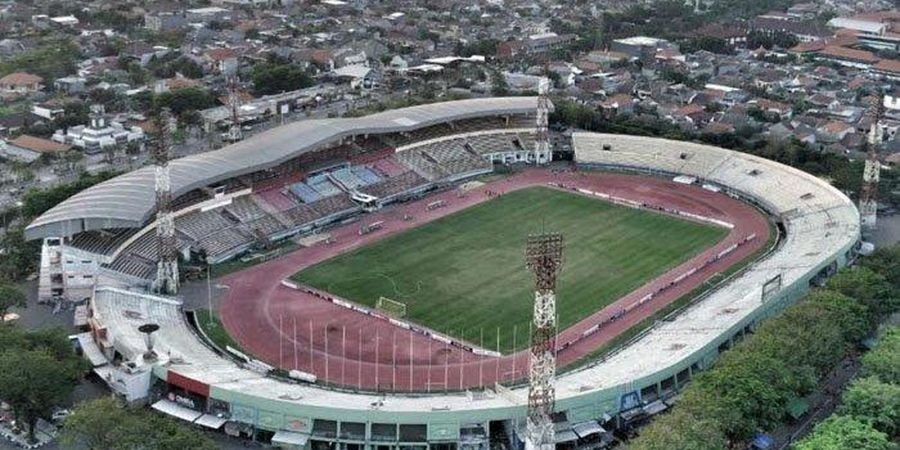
(127, 201)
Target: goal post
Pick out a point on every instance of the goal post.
(391, 307)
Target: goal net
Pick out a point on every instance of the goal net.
(390, 307)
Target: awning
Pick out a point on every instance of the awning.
(585, 429)
(211, 421)
(290, 438)
(797, 407)
(91, 351)
(174, 409)
(566, 436)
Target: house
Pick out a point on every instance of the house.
(221, 60)
(641, 47)
(69, 85)
(164, 21)
(20, 83)
(618, 104)
(48, 110)
(28, 149)
(783, 110)
(888, 68)
(833, 131)
(358, 76)
(849, 57)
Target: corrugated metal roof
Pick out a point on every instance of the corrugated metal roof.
(127, 201)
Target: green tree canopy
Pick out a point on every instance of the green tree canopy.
(694, 433)
(872, 401)
(185, 99)
(33, 382)
(867, 287)
(106, 424)
(884, 360)
(274, 77)
(886, 261)
(845, 433)
(10, 296)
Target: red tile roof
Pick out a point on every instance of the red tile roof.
(20, 79)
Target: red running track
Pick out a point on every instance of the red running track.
(293, 330)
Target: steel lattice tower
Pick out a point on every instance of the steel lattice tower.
(868, 196)
(234, 102)
(543, 256)
(167, 252)
(542, 136)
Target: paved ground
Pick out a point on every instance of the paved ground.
(348, 348)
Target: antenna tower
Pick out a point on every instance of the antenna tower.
(868, 196)
(542, 153)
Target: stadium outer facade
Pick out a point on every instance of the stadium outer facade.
(820, 228)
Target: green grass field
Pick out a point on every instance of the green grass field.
(465, 275)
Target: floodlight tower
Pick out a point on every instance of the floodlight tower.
(868, 197)
(234, 102)
(167, 252)
(543, 256)
(542, 152)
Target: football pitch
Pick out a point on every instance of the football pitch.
(465, 274)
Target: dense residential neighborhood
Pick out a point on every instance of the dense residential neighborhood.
(93, 91)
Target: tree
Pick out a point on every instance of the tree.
(867, 287)
(97, 424)
(274, 77)
(746, 391)
(18, 259)
(874, 402)
(10, 296)
(845, 433)
(884, 360)
(885, 261)
(33, 382)
(185, 99)
(106, 424)
(694, 433)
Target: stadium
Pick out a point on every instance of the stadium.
(399, 316)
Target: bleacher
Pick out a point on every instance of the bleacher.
(138, 259)
(388, 167)
(455, 157)
(302, 214)
(322, 185)
(278, 198)
(224, 242)
(346, 177)
(399, 184)
(101, 242)
(305, 193)
(365, 174)
(333, 205)
(415, 160)
(200, 224)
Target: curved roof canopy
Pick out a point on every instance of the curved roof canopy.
(128, 201)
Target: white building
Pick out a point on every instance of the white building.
(99, 134)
